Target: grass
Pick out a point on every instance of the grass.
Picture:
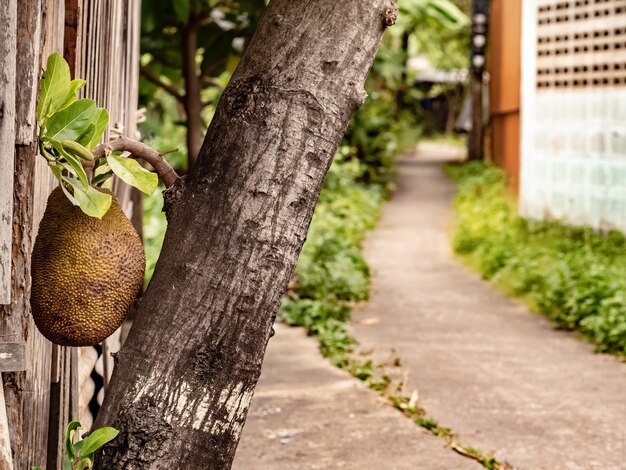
(331, 275)
(453, 140)
(573, 275)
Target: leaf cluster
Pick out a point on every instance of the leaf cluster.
(220, 28)
(79, 453)
(572, 274)
(70, 128)
(390, 122)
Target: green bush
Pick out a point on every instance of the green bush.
(331, 273)
(574, 275)
(376, 136)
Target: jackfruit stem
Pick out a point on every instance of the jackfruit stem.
(139, 150)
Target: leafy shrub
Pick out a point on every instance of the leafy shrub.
(574, 275)
(331, 273)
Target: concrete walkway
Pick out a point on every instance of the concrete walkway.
(306, 414)
(501, 377)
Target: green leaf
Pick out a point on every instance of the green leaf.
(181, 8)
(131, 172)
(78, 150)
(100, 179)
(86, 136)
(72, 162)
(101, 173)
(67, 465)
(100, 121)
(69, 445)
(98, 438)
(55, 86)
(47, 155)
(91, 201)
(69, 195)
(101, 167)
(78, 447)
(36, 468)
(83, 464)
(72, 122)
(57, 171)
(75, 85)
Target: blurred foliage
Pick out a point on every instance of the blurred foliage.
(437, 29)
(574, 275)
(433, 28)
(219, 28)
(392, 120)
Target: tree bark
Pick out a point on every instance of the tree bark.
(192, 100)
(185, 377)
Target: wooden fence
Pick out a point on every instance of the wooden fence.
(41, 383)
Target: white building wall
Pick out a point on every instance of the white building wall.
(573, 112)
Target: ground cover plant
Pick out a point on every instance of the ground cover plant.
(574, 275)
(331, 274)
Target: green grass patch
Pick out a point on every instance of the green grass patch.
(574, 275)
(331, 274)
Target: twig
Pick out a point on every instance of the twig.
(140, 150)
(209, 69)
(151, 77)
(167, 152)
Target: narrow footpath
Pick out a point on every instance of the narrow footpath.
(306, 414)
(502, 378)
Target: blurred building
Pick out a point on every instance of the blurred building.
(558, 106)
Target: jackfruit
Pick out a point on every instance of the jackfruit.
(86, 272)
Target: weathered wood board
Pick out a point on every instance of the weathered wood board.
(12, 357)
(39, 390)
(8, 20)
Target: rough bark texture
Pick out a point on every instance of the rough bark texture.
(184, 379)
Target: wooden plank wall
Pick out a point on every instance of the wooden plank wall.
(27, 390)
(8, 41)
(8, 18)
(39, 386)
(108, 41)
(112, 80)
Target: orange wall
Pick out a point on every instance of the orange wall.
(504, 66)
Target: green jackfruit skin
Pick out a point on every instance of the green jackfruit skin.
(86, 272)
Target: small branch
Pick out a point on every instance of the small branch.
(140, 150)
(210, 68)
(167, 152)
(152, 78)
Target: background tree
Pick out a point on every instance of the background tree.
(186, 46)
(434, 29)
(185, 376)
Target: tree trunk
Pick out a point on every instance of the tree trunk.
(401, 91)
(185, 377)
(192, 100)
